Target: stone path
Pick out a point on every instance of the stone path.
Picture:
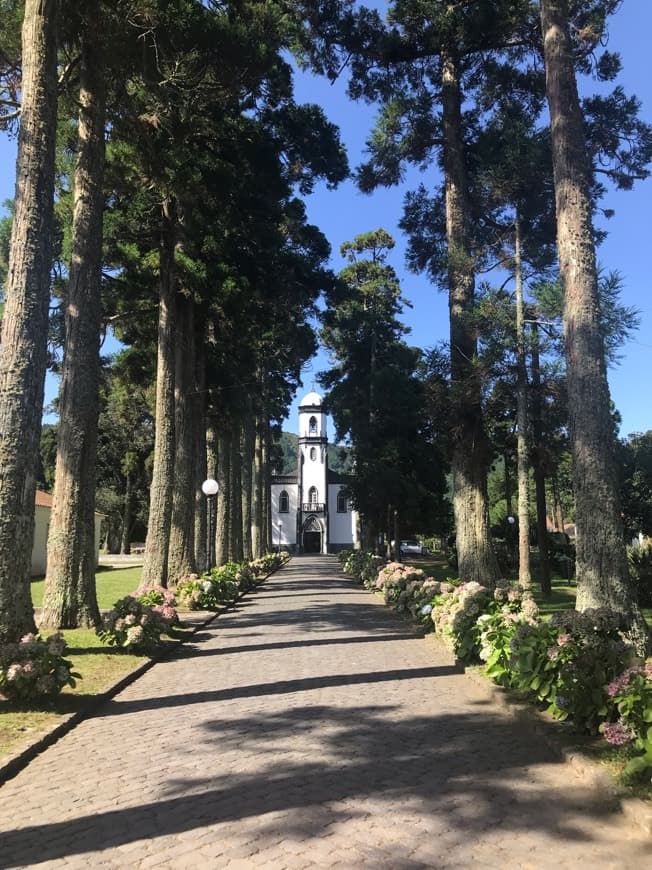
(311, 728)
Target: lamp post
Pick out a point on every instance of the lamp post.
(209, 487)
(280, 529)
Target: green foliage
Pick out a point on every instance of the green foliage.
(568, 663)
(205, 593)
(35, 668)
(375, 392)
(635, 456)
(640, 571)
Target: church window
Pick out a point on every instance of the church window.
(283, 503)
(341, 502)
(312, 495)
(312, 426)
(313, 453)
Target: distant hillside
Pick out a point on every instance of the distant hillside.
(339, 458)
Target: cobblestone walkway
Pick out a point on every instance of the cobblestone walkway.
(311, 728)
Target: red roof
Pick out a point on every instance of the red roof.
(43, 499)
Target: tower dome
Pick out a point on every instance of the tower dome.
(312, 400)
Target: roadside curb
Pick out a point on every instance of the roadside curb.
(14, 763)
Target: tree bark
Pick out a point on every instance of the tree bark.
(267, 481)
(70, 599)
(602, 571)
(181, 558)
(23, 348)
(257, 493)
(155, 565)
(476, 558)
(222, 528)
(125, 542)
(235, 527)
(201, 457)
(539, 469)
(522, 447)
(248, 436)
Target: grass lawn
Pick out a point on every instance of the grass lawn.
(111, 583)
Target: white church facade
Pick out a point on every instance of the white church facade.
(310, 510)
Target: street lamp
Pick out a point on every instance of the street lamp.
(280, 529)
(209, 487)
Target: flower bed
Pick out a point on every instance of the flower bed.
(225, 583)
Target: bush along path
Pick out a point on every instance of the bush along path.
(575, 666)
(141, 628)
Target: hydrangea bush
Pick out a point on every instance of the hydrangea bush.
(223, 584)
(455, 616)
(362, 566)
(630, 699)
(133, 625)
(35, 668)
(512, 606)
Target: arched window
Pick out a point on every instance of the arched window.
(341, 502)
(313, 453)
(312, 495)
(312, 426)
(284, 503)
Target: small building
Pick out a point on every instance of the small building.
(310, 510)
(42, 509)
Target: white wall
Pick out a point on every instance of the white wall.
(288, 521)
(342, 528)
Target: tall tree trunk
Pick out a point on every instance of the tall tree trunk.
(539, 468)
(557, 507)
(201, 458)
(155, 565)
(223, 499)
(236, 495)
(125, 543)
(476, 558)
(70, 599)
(248, 436)
(257, 544)
(507, 479)
(522, 448)
(181, 557)
(602, 571)
(23, 348)
(212, 505)
(267, 488)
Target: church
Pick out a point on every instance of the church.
(310, 510)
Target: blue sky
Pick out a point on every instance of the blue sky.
(343, 213)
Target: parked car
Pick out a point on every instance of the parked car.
(413, 548)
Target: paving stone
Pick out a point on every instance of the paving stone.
(310, 727)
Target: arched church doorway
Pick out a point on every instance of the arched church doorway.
(312, 536)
